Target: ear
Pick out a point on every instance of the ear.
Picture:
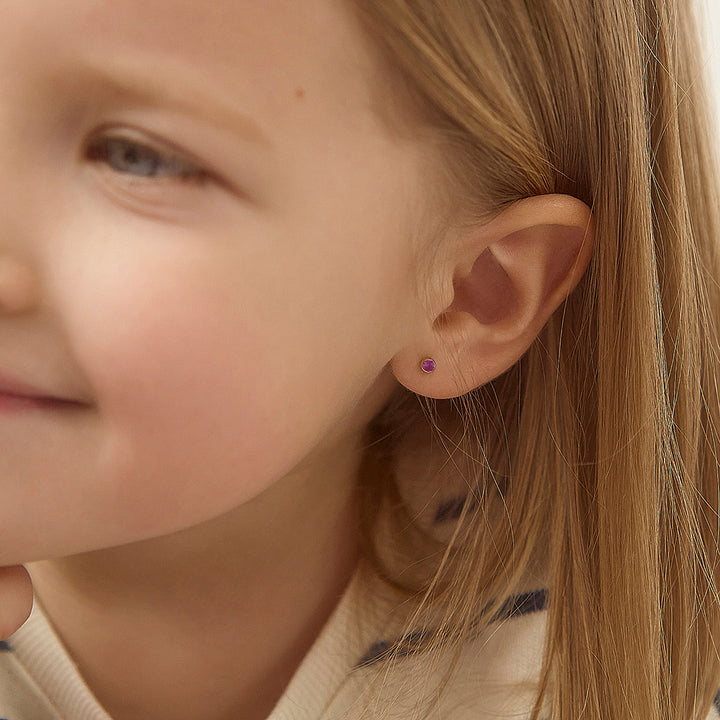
(505, 278)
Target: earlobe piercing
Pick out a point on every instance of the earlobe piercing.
(428, 365)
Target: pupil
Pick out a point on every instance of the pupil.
(131, 155)
(134, 160)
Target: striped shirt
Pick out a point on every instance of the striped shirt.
(38, 680)
(495, 677)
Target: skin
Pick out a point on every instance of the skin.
(223, 338)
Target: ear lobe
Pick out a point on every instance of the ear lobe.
(512, 275)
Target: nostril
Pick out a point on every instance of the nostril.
(18, 286)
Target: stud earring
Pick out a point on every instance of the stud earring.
(428, 365)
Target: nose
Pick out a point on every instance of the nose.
(19, 291)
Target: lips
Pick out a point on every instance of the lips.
(21, 402)
(17, 394)
(11, 386)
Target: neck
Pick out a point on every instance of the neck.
(213, 621)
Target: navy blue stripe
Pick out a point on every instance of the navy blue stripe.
(411, 643)
(450, 509)
(716, 701)
(414, 642)
(524, 604)
(4, 647)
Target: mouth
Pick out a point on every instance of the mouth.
(16, 395)
(10, 402)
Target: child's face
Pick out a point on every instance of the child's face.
(217, 332)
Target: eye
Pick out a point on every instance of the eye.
(126, 156)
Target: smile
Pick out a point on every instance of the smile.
(16, 395)
(14, 403)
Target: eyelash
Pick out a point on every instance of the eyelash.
(117, 153)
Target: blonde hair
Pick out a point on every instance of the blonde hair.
(602, 441)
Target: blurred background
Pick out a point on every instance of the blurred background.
(710, 23)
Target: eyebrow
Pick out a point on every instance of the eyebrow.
(188, 97)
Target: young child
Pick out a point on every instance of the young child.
(357, 360)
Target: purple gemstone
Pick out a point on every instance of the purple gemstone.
(428, 365)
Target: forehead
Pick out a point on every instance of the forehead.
(261, 50)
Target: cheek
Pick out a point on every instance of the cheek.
(209, 392)
(217, 371)
(191, 399)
